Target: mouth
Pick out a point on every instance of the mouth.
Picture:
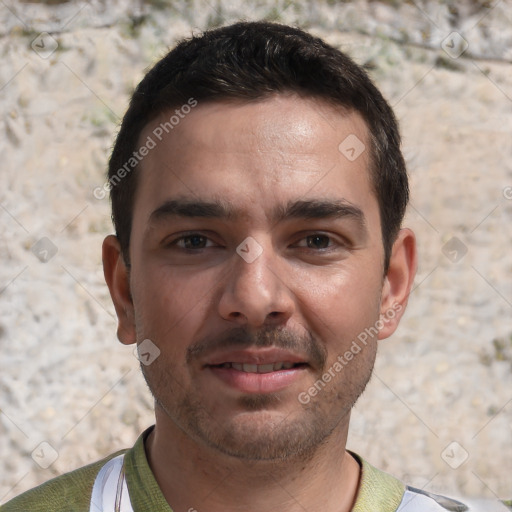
(257, 374)
(260, 368)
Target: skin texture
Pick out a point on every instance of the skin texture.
(317, 284)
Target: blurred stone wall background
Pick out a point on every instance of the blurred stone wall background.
(438, 412)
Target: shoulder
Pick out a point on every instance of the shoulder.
(70, 492)
(417, 500)
(379, 491)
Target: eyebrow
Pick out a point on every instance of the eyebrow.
(305, 209)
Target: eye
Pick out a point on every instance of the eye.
(191, 241)
(316, 241)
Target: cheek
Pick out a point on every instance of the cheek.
(166, 305)
(342, 309)
(350, 294)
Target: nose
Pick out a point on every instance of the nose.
(256, 292)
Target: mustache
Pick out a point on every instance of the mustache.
(241, 338)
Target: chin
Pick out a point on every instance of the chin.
(264, 435)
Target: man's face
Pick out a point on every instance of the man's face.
(257, 260)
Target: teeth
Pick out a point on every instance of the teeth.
(259, 368)
(265, 368)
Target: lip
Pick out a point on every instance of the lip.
(257, 383)
(255, 356)
(249, 382)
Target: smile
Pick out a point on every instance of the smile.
(260, 368)
(258, 378)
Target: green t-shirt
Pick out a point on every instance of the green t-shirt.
(71, 492)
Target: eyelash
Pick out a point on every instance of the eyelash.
(196, 234)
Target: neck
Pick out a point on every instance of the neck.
(194, 476)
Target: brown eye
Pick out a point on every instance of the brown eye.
(191, 241)
(194, 242)
(318, 241)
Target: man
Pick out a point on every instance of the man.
(258, 191)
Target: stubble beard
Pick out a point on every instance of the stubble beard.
(261, 435)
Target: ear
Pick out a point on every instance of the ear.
(398, 282)
(117, 277)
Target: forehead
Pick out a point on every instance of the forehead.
(271, 123)
(255, 155)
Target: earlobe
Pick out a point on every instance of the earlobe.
(398, 282)
(117, 277)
